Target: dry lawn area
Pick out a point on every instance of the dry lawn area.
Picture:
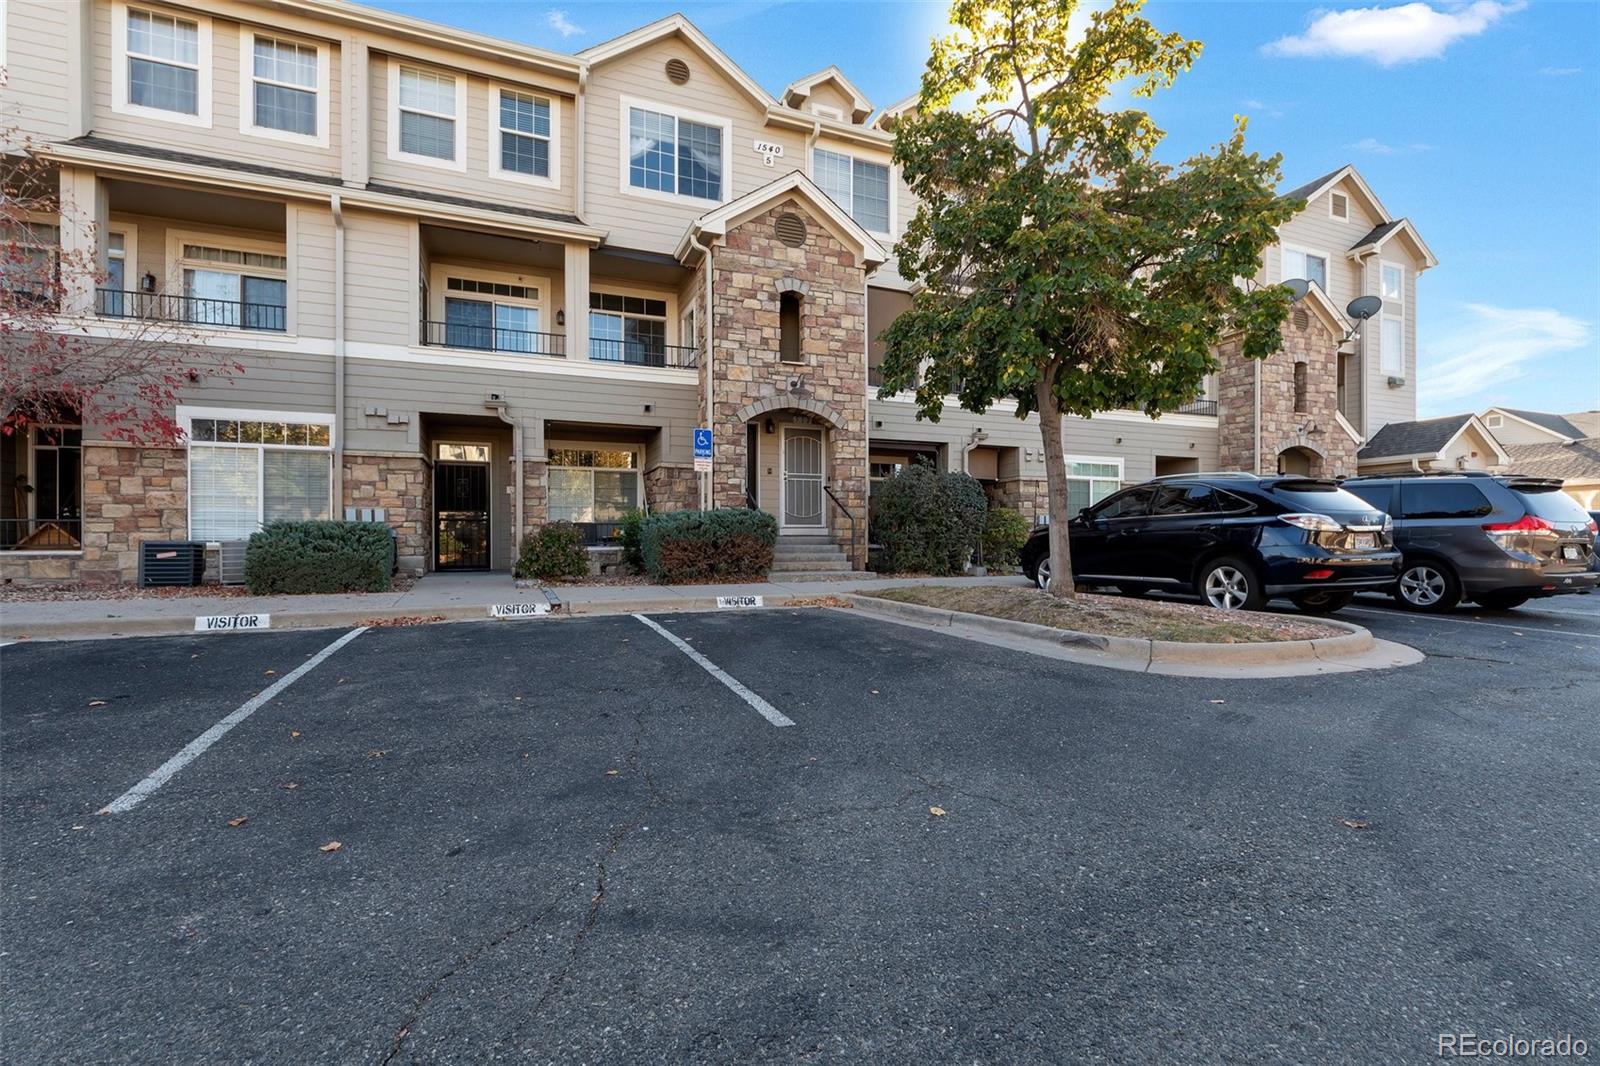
(1112, 616)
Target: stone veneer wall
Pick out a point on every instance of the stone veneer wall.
(671, 487)
(402, 486)
(1306, 338)
(1028, 496)
(751, 264)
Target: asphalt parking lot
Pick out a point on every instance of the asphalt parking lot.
(568, 841)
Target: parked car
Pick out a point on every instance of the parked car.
(1498, 539)
(1234, 540)
(1594, 556)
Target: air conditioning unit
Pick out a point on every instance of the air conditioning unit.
(167, 563)
(230, 561)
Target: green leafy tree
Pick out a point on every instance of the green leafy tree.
(1058, 263)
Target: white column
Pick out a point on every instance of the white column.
(85, 211)
(577, 301)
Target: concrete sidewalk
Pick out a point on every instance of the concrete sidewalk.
(435, 598)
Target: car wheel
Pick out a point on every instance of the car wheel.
(1324, 601)
(1230, 585)
(1041, 576)
(1503, 601)
(1425, 585)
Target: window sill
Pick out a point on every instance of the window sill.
(678, 198)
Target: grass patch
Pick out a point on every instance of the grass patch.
(1112, 616)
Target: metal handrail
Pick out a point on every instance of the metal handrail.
(492, 339)
(1198, 407)
(848, 514)
(643, 353)
(41, 534)
(193, 310)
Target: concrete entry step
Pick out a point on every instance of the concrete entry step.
(789, 566)
(804, 538)
(788, 577)
(814, 554)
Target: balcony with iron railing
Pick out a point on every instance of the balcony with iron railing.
(1198, 407)
(191, 310)
(650, 353)
(493, 339)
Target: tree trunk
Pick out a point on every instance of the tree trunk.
(1055, 465)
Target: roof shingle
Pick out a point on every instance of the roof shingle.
(1413, 438)
(1578, 461)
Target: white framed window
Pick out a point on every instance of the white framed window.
(860, 186)
(248, 468)
(1300, 263)
(594, 483)
(675, 155)
(1392, 346)
(1091, 479)
(122, 259)
(1338, 207)
(491, 312)
(230, 283)
(30, 259)
(1393, 283)
(425, 116)
(631, 327)
(283, 88)
(161, 65)
(524, 136)
(688, 333)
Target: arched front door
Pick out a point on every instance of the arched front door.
(803, 504)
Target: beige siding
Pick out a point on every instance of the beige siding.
(830, 95)
(39, 67)
(650, 222)
(478, 181)
(381, 279)
(223, 138)
(276, 381)
(312, 270)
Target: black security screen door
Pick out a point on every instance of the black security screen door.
(461, 509)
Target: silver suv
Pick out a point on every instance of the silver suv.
(1498, 539)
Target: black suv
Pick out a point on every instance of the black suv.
(1232, 539)
(1498, 539)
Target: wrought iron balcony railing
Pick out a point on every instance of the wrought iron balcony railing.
(493, 339)
(192, 310)
(1198, 407)
(643, 353)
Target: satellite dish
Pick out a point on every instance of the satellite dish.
(1298, 287)
(1363, 307)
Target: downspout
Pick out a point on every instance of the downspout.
(1257, 463)
(338, 352)
(705, 331)
(580, 166)
(499, 408)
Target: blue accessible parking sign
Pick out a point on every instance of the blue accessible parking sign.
(702, 449)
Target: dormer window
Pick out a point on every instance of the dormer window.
(1339, 206)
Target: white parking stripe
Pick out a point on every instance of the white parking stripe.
(763, 708)
(1470, 622)
(196, 747)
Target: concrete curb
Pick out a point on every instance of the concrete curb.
(1355, 648)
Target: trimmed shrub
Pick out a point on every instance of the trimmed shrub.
(319, 556)
(729, 542)
(555, 551)
(1004, 534)
(632, 530)
(928, 522)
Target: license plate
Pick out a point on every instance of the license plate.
(1365, 542)
(1570, 551)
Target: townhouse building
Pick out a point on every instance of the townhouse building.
(479, 285)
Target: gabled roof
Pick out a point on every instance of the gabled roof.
(1555, 425)
(796, 92)
(1324, 307)
(1425, 439)
(717, 222)
(886, 117)
(1576, 460)
(1316, 187)
(675, 25)
(1378, 236)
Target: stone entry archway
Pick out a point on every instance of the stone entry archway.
(1302, 462)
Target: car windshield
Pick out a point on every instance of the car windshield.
(1320, 496)
(1551, 504)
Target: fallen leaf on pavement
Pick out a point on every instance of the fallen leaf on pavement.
(294, 733)
(79, 827)
(97, 703)
(377, 753)
(937, 812)
(332, 845)
(874, 692)
(237, 822)
(1352, 823)
(290, 785)
(1219, 701)
(269, 672)
(612, 773)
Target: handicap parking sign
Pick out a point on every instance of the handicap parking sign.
(702, 449)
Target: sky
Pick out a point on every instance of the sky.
(1479, 121)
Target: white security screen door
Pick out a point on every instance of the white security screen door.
(802, 477)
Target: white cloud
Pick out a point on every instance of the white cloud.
(1373, 146)
(1261, 107)
(1492, 347)
(1389, 36)
(558, 21)
(1560, 72)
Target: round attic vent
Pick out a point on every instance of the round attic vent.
(677, 71)
(790, 230)
(1301, 319)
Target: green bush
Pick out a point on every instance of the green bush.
(730, 542)
(555, 551)
(1004, 534)
(927, 522)
(632, 530)
(319, 556)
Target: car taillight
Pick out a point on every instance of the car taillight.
(1528, 523)
(1317, 523)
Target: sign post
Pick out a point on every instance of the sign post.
(702, 464)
